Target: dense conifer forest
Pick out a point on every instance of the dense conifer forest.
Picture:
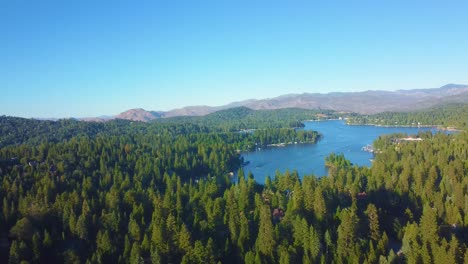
(175, 192)
(454, 115)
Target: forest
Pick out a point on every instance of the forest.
(164, 192)
(452, 115)
(238, 118)
(16, 131)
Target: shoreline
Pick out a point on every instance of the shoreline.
(284, 144)
(377, 125)
(438, 127)
(330, 119)
(277, 145)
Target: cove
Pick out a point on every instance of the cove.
(309, 159)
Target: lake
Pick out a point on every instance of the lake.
(310, 158)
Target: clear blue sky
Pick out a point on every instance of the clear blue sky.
(80, 58)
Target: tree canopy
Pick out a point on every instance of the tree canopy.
(130, 192)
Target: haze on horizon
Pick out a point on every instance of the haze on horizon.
(83, 59)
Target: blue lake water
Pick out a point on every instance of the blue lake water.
(310, 158)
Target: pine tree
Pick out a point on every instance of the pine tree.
(231, 215)
(454, 249)
(265, 239)
(320, 207)
(155, 257)
(297, 198)
(171, 231)
(249, 258)
(347, 234)
(428, 225)
(243, 233)
(300, 232)
(373, 218)
(410, 244)
(145, 245)
(15, 254)
(127, 248)
(36, 246)
(6, 211)
(383, 244)
(47, 241)
(328, 242)
(314, 244)
(284, 256)
(134, 229)
(81, 228)
(103, 243)
(184, 239)
(135, 256)
(158, 238)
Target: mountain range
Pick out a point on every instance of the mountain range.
(368, 102)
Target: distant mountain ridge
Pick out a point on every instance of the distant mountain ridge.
(139, 114)
(368, 102)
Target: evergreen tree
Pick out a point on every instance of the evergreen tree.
(36, 247)
(373, 219)
(135, 256)
(15, 254)
(184, 239)
(347, 234)
(320, 208)
(265, 240)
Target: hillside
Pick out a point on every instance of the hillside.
(17, 131)
(449, 116)
(368, 102)
(239, 118)
(139, 114)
